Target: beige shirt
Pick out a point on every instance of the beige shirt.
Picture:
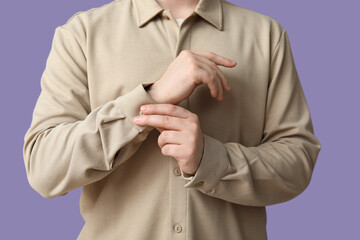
(259, 144)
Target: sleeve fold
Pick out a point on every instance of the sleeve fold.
(68, 145)
(281, 166)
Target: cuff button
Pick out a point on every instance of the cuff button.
(199, 184)
(212, 191)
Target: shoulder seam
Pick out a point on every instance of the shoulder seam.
(72, 17)
(77, 40)
(91, 10)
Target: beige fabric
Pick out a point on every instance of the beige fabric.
(260, 147)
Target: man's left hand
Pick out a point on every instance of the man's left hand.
(180, 133)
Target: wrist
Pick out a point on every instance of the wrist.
(153, 94)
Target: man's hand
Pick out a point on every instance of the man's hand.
(189, 70)
(180, 137)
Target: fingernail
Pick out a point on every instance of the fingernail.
(143, 108)
(136, 119)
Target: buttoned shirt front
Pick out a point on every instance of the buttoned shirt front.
(259, 143)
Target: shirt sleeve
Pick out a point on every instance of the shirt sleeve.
(68, 145)
(280, 167)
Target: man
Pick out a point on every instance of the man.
(174, 131)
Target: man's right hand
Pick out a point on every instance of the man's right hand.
(189, 70)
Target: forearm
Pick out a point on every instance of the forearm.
(63, 156)
(281, 166)
(270, 173)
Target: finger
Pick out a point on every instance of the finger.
(211, 81)
(220, 60)
(224, 82)
(165, 109)
(161, 121)
(206, 65)
(171, 137)
(219, 87)
(172, 150)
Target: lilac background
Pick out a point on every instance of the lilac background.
(324, 36)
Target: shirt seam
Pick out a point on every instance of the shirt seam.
(277, 44)
(76, 38)
(92, 10)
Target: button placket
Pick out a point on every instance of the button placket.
(177, 36)
(177, 202)
(171, 31)
(178, 39)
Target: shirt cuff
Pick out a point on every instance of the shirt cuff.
(131, 105)
(186, 176)
(213, 166)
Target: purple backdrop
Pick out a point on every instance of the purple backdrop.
(325, 41)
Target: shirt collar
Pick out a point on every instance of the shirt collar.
(209, 10)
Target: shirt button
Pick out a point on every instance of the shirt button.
(212, 191)
(177, 228)
(199, 184)
(177, 171)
